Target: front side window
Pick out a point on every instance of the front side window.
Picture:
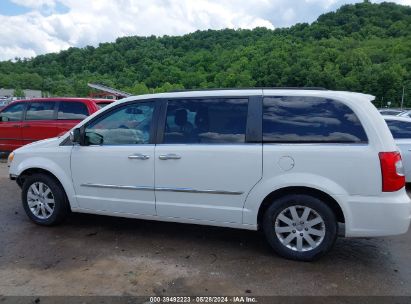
(40, 111)
(214, 120)
(12, 113)
(128, 125)
(399, 129)
(310, 120)
(72, 110)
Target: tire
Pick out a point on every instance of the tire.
(313, 234)
(38, 192)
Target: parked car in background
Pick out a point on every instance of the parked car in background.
(392, 112)
(25, 121)
(293, 163)
(3, 103)
(101, 103)
(406, 114)
(400, 128)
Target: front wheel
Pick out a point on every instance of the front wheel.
(300, 227)
(44, 200)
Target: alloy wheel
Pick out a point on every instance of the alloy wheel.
(299, 228)
(40, 200)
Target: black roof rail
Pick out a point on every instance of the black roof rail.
(253, 88)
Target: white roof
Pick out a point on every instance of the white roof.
(255, 92)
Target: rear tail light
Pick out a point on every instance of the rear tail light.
(392, 171)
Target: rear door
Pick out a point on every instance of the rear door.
(208, 159)
(10, 127)
(69, 114)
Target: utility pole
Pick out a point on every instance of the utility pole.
(402, 98)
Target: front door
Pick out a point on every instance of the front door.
(114, 170)
(204, 166)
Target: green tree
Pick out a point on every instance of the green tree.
(18, 92)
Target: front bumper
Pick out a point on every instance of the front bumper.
(368, 216)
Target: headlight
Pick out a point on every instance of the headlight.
(10, 159)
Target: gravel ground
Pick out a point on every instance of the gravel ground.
(98, 255)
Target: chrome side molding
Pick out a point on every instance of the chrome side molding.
(169, 189)
(117, 187)
(190, 190)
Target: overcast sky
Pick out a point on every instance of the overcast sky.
(33, 27)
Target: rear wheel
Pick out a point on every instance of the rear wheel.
(44, 200)
(300, 227)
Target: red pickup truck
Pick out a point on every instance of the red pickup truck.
(25, 121)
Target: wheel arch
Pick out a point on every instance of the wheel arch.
(37, 170)
(30, 171)
(328, 199)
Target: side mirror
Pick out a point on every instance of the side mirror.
(75, 136)
(4, 118)
(93, 139)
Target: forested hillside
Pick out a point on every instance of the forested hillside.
(364, 47)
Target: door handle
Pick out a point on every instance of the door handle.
(169, 156)
(139, 156)
(26, 126)
(16, 126)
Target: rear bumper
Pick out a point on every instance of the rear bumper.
(388, 214)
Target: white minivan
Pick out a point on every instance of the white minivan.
(295, 163)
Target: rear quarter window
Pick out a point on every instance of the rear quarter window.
(72, 110)
(310, 120)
